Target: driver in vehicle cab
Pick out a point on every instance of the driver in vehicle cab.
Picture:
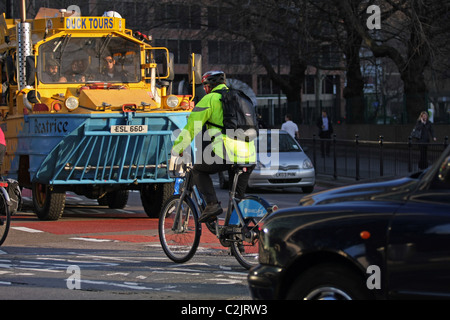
(76, 72)
(51, 73)
(111, 72)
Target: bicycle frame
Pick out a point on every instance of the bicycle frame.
(186, 192)
(239, 231)
(190, 190)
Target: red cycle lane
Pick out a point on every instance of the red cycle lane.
(124, 228)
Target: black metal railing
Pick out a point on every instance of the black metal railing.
(369, 159)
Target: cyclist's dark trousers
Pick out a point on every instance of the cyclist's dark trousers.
(204, 183)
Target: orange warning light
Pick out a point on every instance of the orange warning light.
(364, 235)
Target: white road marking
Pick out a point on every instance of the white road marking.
(91, 239)
(25, 229)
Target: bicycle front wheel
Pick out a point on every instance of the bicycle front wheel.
(5, 219)
(246, 245)
(179, 234)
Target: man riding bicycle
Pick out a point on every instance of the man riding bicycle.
(219, 152)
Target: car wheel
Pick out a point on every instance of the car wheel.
(329, 282)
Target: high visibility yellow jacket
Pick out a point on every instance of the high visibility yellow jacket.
(209, 109)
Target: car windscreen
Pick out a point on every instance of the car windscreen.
(275, 141)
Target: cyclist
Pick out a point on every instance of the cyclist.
(221, 152)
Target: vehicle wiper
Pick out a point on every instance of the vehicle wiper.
(104, 45)
(62, 44)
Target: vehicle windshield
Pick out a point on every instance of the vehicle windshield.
(84, 60)
(276, 141)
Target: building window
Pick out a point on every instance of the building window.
(310, 81)
(227, 52)
(328, 84)
(181, 49)
(178, 16)
(224, 18)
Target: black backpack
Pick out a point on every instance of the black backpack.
(239, 115)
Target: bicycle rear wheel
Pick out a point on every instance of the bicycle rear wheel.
(5, 219)
(180, 236)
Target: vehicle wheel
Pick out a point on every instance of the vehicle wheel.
(245, 248)
(103, 200)
(329, 282)
(117, 199)
(307, 189)
(48, 205)
(153, 195)
(179, 237)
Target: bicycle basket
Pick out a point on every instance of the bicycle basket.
(177, 165)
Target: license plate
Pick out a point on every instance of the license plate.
(285, 174)
(129, 129)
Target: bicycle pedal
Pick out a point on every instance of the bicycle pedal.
(224, 242)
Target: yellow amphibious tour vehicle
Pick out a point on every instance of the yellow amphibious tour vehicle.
(73, 124)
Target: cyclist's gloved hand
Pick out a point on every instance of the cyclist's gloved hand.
(176, 153)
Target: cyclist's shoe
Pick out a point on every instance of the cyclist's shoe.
(212, 210)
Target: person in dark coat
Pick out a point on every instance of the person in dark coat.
(427, 133)
(325, 131)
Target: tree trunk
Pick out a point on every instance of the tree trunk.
(414, 86)
(354, 90)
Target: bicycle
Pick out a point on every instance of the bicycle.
(5, 212)
(180, 231)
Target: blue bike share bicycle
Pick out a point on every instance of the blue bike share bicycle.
(180, 231)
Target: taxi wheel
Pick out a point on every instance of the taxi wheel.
(48, 204)
(329, 282)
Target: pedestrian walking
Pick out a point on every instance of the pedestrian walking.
(425, 133)
(325, 131)
(290, 127)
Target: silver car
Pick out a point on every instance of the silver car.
(281, 163)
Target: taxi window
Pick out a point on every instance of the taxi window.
(85, 60)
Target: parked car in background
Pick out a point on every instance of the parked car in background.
(281, 163)
(382, 240)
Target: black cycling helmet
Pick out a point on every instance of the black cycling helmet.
(213, 78)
